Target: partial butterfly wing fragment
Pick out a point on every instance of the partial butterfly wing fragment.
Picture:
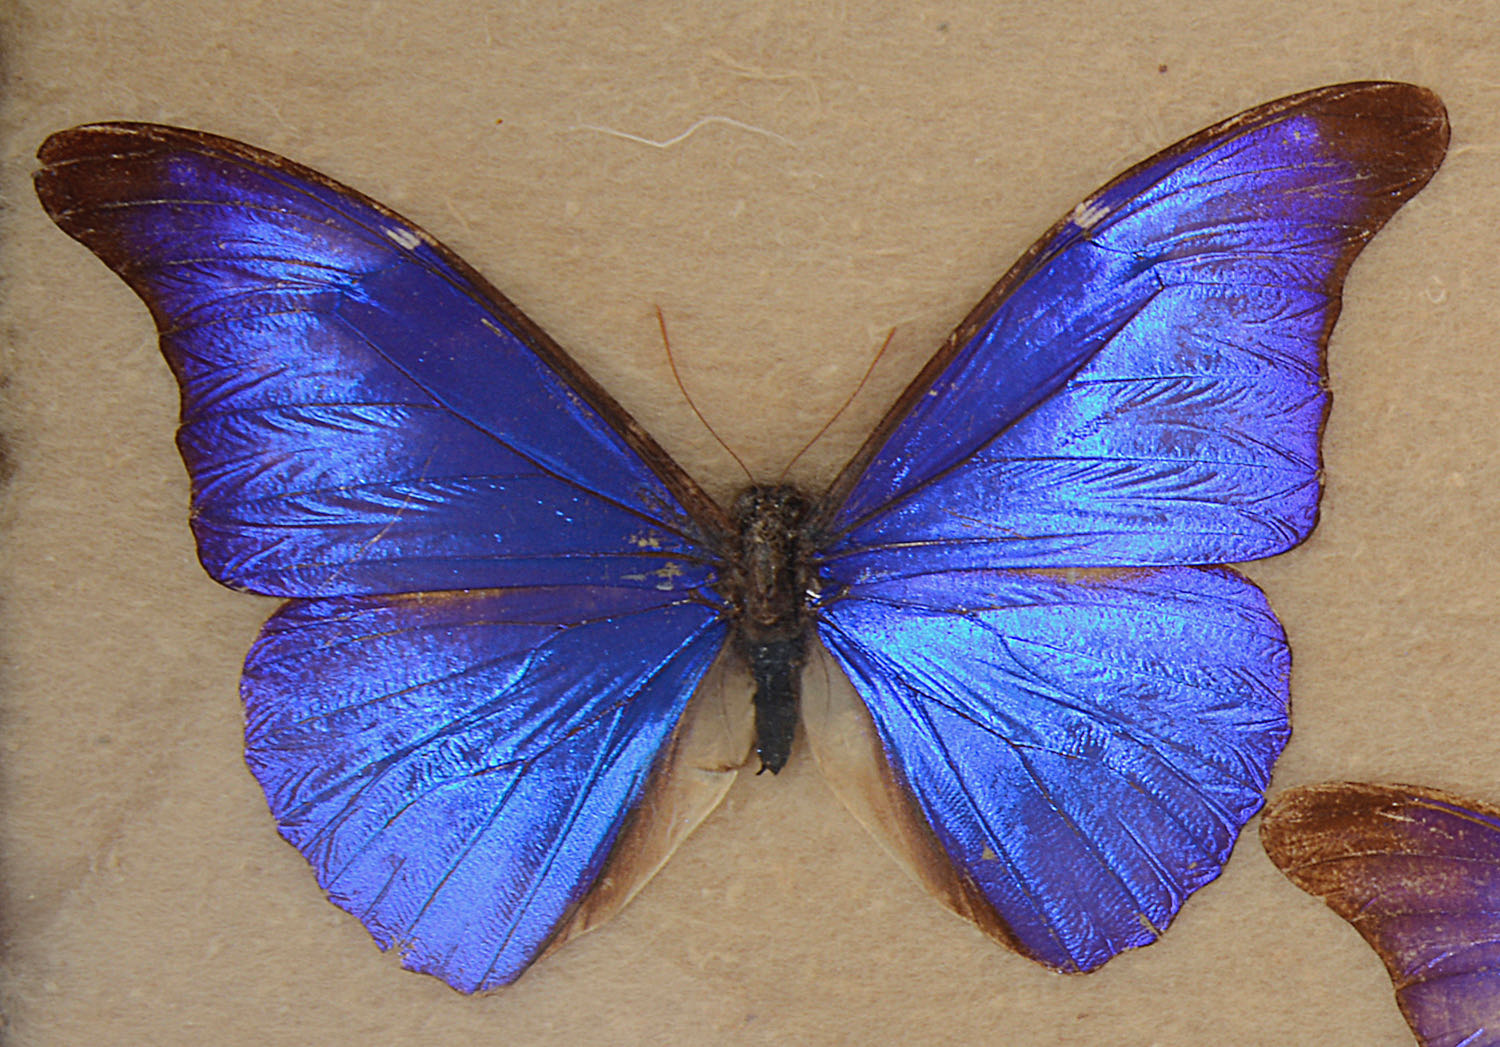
(1417, 872)
(1144, 389)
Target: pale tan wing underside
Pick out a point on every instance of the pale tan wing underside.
(710, 746)
(847, 748)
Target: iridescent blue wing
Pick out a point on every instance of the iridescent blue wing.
(469, 770)
(458, 767)
(1144, 388)
(361, 412)
(1417, 872)
(1084, 749)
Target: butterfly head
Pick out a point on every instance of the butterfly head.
(764, 578)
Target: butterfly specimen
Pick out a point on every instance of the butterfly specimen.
(1417, 872)
(501, 592)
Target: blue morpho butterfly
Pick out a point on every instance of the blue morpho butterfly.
(503, 593)
(1417, 872)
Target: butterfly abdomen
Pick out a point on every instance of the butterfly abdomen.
(765, 583)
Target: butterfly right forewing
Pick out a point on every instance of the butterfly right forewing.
(1147, 384)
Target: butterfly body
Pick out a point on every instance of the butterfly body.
(501, 593)
(767, 586)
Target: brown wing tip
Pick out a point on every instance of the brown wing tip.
(61, 147)
(69, 176)
(1306, 830)
(1292, 812)
(1389, 127)
(93, 142)
(88, 141)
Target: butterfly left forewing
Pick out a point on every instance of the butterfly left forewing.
(361, 412)
(1144, 390)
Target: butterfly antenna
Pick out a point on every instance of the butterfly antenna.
(842, 407)
(661, 322)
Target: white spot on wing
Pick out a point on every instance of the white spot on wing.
(667, 575)
(405, 237)
(1089, 214)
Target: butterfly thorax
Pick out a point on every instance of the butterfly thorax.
(765, 583)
